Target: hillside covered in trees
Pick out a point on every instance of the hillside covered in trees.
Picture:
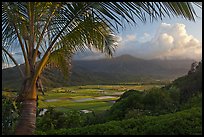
(175, 109)
(122, 69)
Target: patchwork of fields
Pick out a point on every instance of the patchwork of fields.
(86, 98)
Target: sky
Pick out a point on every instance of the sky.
(175, 38)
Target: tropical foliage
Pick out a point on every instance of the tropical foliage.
(50, 32)
(156, 111)
(189, 85)
(186, 122)
(10, 114)
(157, 101)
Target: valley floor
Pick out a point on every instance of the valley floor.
(90, 97)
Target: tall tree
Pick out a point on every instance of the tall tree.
(57, 30)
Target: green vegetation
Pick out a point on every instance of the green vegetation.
(138, 109)
(190, 84)
(127, 67)
(10, 113)
(157, 111)
(186, 122)
(96, 97)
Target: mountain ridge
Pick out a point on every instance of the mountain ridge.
(125, 68)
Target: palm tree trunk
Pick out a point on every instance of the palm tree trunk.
(26, 123)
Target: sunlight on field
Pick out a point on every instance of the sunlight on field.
(88, 97)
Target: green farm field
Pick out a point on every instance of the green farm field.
(95, 98)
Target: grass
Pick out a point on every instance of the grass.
(74, 93)
(9, 94)
(185, 122)
(68, 95)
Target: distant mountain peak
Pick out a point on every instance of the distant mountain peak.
(124, 68)
(126, 57)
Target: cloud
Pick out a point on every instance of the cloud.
(146, 37)
(131, 37)
(171, 41)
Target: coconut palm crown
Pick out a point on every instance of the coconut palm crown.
(51, 32)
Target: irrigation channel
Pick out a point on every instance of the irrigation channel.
(82, 100)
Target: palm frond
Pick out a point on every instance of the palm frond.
(199, 4)
(131, 11)
(115, 11)
(89, 34)
(61, 59)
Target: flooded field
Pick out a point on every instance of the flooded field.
(88, 98)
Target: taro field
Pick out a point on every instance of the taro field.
(87, 98)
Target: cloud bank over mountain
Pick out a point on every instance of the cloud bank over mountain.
(171, 41)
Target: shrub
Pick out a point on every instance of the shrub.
(187, 122)
(155, 101)
(195, 101)
(53, 119)
(10, 114)
(131, 99)
(189, 85)
(158, 101)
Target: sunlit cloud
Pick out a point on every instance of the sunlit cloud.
(171, 41)
(146, 37)
(131, 37)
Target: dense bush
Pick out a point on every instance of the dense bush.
(95, 118)
(129, 93)
(130, 100)
(174, 94)
(187, 122)
(53, 119)
(155, 101)
(158, 101)
(155, 111)
(10, 114)
(189, 85)
(195, 101)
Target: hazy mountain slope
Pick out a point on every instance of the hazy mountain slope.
(127, 68)
(130, 65)
(120, 69)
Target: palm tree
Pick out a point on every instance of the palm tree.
(58, 29)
